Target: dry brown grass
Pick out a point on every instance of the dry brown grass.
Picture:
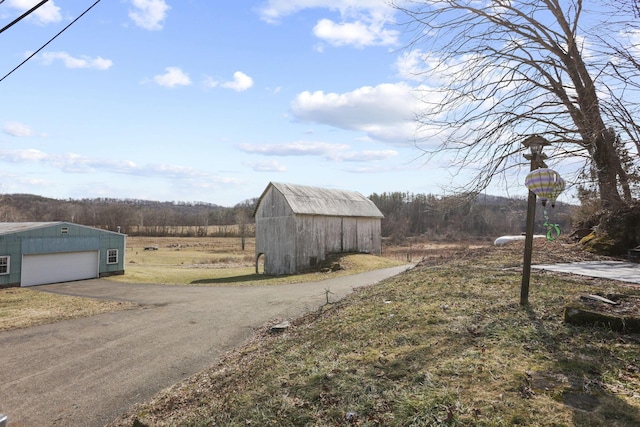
(22, 307)
(416, 249)
(445, 344)
(203, 244)
(220, 261)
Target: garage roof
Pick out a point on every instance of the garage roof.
(14, 227)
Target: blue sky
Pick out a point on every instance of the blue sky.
(202, 100)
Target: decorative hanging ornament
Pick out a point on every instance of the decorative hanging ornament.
(557, 190)
(553, 230)
(546, 184)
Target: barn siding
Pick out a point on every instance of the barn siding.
(350, 235)
(310, 238)
(369, 232)
(273, 205)
(291, 241)
(333, 234)
(275, 234)
(275, 238)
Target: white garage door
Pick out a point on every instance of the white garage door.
(60, 267)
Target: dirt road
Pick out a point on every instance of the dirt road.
(86, 372)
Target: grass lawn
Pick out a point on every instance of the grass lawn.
(445, 344)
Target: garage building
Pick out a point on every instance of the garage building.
(298, 226)
(37, 253)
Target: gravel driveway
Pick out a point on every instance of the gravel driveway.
(86, 372)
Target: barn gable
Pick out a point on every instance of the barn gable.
(297, 226)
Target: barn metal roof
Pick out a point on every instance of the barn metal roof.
(323, 201)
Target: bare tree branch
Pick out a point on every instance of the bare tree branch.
(497, 71)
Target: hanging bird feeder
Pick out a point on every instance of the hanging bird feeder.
(547, 185)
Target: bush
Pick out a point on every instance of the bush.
(618, 231)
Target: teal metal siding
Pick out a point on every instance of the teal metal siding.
(112, 241)
(50, 245)
(49, 239)
(10, 246)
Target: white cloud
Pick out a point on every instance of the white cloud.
(19, 130)
(362, 22)
(363, 156)
(240, 82)
(358, 33)
(417, 65)
(76, 163)
(211, 82)
(149, 14)
(13, 182)
(266, 166)
(385, 112)
(173, 77)
(46, 14)
(299, 148)
(35, 182)
(209, 182)
(69, 61)
(274, 10)
(633, 35)
(332, 152)
(377, 168)
(19, 156)
(411, 65)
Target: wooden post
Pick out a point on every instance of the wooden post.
(536, 143)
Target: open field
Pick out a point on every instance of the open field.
(445, 344)
(220, 261)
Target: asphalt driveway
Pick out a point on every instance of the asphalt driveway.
(86, 372)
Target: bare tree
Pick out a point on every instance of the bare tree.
(243, 214)
(9, 213)
(496, 71)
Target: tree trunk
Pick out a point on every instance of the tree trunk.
(599, 141)
(607, 163)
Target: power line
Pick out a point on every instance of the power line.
(24, 15)
(50, 40)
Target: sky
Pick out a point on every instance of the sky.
(209, 101)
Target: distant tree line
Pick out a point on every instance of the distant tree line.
(133, 216)
(458, 217)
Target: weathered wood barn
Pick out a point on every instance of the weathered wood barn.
(36, 253)
(297, 226)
